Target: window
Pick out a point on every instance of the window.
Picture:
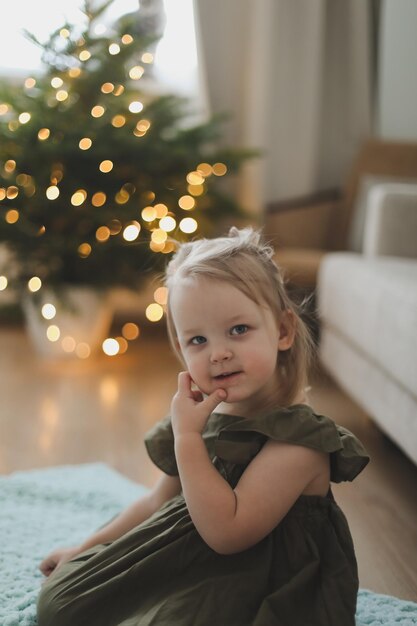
(175, 58)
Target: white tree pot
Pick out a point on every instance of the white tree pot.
(83, 318)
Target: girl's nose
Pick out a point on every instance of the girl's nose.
(220, 353)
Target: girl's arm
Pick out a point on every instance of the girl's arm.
(231, 520)
(165, 489)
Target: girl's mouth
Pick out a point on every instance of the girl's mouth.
(227, 375)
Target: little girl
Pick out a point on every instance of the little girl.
(242, 529)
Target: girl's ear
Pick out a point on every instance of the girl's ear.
(286, 329)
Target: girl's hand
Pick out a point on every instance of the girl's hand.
(56, 558)
(189, 409)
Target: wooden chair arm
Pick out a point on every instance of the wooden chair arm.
(304, 222)
(324, 196)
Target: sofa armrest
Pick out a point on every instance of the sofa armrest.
(391, 221)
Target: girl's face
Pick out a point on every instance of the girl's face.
(228, 341)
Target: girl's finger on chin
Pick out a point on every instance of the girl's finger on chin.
(184, 382)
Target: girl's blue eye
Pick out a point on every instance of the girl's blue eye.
(239, 329)
(198, 340)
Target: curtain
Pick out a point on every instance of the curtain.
(297, 79)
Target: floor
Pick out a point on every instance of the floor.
(80, 411)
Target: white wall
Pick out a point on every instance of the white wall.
(397, 97)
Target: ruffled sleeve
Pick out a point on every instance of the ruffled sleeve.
(159, 442)
(241, 440)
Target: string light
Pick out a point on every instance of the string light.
(52, 192)
(12, 216)
(3, 283)
(57, 82)
(195, 178)
(167, 223)
(161, 295)
(219, 169)
(12, 192)
(148, 196)
(123, 345)
(196, 190)
(64, 32)
(48, 311)
(24, 117)
(74, 72)
(188, 225)
(98, 199)
(136, 72)
(161, 210)
(2, 193)
(44, 133)
(102, 234)
(143, 125)
(30, 83)
(3, 109)
(61, 95)
(106, 166)
(135, 106)
(130, 331)
(131, 232)
(84, 55)
(186, 202)
(110, 346)
(118, 121)
(156, 247)
(97, 111)
(148, 214)
(147, 57)
(53, 333)
(84, 250)
(34, 284)
(68, 344)
(141, 128)
(114, 48)
(10, 166)
(154, 312)
(159, 236)
(78, 197)
(205, 169)
(107, 87)
(85, 143)
(127, 39)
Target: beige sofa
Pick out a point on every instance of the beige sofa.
(367, 302)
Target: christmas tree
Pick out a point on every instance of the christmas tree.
(97, 171)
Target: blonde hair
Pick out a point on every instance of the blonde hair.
(245, 262)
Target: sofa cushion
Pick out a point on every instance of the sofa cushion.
(372, 303)
(367, 184)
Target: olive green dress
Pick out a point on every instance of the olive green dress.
(162, 573)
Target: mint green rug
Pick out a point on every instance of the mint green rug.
(42, 509)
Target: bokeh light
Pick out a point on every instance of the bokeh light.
(130, 331)
(48, 311)
(154, 312)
